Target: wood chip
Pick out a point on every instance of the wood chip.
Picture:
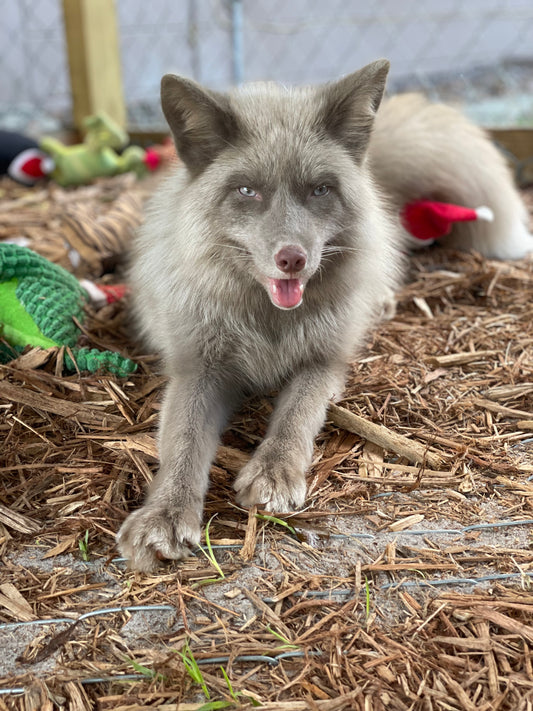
(248, 547)
(18, 522)
(78, 450)
(446, 361)
(407, 522)
(18, 606)
(383, 437)
(500, 409)
(56, 406)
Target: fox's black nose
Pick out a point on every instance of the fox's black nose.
(291, 259)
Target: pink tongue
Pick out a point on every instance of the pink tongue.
(286, 293)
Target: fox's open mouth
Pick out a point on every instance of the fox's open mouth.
(286, 293)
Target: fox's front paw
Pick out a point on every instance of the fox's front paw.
(155, 533)
(276, 483)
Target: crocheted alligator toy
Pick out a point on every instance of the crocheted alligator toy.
(39, 301)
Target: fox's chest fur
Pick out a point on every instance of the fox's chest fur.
(230, 327)
(259, 356)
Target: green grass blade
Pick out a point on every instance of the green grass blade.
(145, 671)
(191, 665)
(83, 545)
(209, 554)
(276, 520)
(286, 642)
(228, 683)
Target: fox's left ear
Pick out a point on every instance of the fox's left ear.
(350, 106)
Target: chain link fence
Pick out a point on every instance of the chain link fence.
(34, 81)
(478, 52)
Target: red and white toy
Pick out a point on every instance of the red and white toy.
(102, 294)
(427, 220)
(22, 159)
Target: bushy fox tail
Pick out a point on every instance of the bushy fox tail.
(421, 150)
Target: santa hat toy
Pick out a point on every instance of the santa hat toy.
(22, 159)
(427, 220)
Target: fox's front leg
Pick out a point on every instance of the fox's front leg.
(275, 476)
(193, 414)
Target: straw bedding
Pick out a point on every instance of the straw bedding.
(405, 584)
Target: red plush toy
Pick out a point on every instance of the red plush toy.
(427, 220)
(22, 159)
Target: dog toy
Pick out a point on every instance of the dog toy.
(22, 159)
(27, 161)
(427, 220)
(40, 303)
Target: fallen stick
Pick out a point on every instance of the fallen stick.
(506, 392)
(446, 361)
(525, 425)
(64, 408)
(500, 409)
(415, 452)
(233, 459)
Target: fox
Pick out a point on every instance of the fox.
(268, 255)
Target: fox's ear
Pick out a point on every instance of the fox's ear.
(201, 121)
(350, 106)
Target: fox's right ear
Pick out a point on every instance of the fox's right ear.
(201, 121)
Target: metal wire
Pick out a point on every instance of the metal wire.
(92, 680)
(274, 660)
(500, 524)
(455, 581)
(372, 536)
(442, 531)
(242, 659)
(427, 532)
(86, 615)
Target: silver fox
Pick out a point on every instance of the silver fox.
(268, 255)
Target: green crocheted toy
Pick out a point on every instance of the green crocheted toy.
(39, 301)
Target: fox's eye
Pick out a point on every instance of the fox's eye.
(247, 192)
(320, 190)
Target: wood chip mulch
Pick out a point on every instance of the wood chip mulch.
(406, 583)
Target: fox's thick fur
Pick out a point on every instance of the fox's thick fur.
(269, 254)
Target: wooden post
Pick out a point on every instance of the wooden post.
(518, 142)
(94, 59)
